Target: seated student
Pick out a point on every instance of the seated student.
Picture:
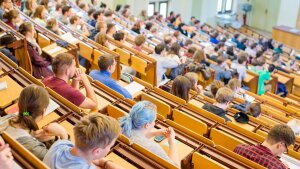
(64, 68)
(168, 42)
(162, 62)
(12, 18)
(58, 11)
(136, 27)
(235, 38)
(174, 53)
(193, 77)
(213, 88)
(84, 7)
(181, 87)
(182, 28)
(251, 50)
(5, 40)
(39, 15)
(100, 27)
(294, 124)
(230, 53)
(111, 29)
(241, 66)
(52, 25)
(213, 38)
(94, 134)
(279, 49)
(261, 68)
(108, 16)
(190, 52)
(6, 158)
(279, 138)
(224, 97)
(119, 36)
(199, 64)
(98, 16)
(66, 13)
(5, 5)
(138, 125)
(235, 85)
(40, 66)
(139, 42)
(242, 44)
(222, 71)
(23, 127)
(101, 38)
(29, 7)
(77, 25)
(107, 65)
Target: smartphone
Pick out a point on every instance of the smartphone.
(159, 138)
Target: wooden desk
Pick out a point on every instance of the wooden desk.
(182, 148)
(49, 50)
(48, 119)
(118, 160)
(123, 84)
(10, 94)
(196, 103)
(287, 81)
(69, 127)
(102, 103)
(245, 126)
(287, 35)
(251, 81)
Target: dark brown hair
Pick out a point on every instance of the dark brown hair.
(25, 27)
(12, 14)
(60, 62)
(181, 87)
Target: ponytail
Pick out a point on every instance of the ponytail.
(141, 113)
(25, 119)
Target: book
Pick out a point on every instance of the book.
(134, 88)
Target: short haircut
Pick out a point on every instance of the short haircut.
(96, 14)
(108, 13)
(215, 86)
(224, 95)
(220, 60)
(82, 5)
(61, 62)
(95, 130)
(139, 40)
(110, 26)
(91, 11)
(119, 36)
(105, 61)
(73, 19)
(192, 50)
(188, 42)
(234, 84)
(65, 9)
(254, 109)
(281, 133)
(159, 48)
(242, 59)
(167, 39)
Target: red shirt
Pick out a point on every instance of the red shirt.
(261, 155)
(64, 89)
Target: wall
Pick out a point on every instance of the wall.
(288, 13)
(182, 7)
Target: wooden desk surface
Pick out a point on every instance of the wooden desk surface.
(118, 160)
(248, 78)
(10, 94)
(48, 49)
(102, 103)
(196, 103)
(69, 127)
(47, 119)
(281, 78)
(182, 148)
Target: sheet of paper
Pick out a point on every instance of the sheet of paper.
(249, 98)
(69, 38)
(16, 165)
(51, 107)
(291, 162)
(54, 50)
(134, 87)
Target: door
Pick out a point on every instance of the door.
(265, 14)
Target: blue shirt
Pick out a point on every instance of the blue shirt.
(214, 41)
(60, 157)
(104, 77)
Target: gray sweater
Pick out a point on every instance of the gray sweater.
(22, 136)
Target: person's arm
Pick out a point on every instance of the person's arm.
(36, 59)
(106, 164)
(116, 87)
(173, 152)
(77, 78)
(90, 102)
(160, 132)
(6, 158)
(170, 63)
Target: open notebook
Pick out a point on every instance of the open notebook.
(69, 38)
(134, 88)
(291, 162)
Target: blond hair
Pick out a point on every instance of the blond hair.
(224, 95)
(139, 40)
(233, 84)
(95, 131)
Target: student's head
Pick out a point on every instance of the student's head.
(95, 134)
(174, 50)
(108, 13)
(188, 42)
(234, 84)
(32, 104)
(98, 15)
(27, 29)
(242, 59)
(159, 49)
(29, 5)
(107, 62)
(279, 138)
(66, 11)
(294, 124)
(12, 16)
(64, 65)
(142, 117)
(101, 27)
(139, 40)
(220, 60)
(172, 13)
(199, 56)
(181, 87)
(126, 13)
(224, 95)
(111, 28)
(78, 2)
(191, 50)
(101, 38)
(236, 36)
(40, 12)
(215, 86)
(90, 12)
(193, 78)
(254, 109)
(167, 39)
(58, 8)
(6, 4)
(148, 25)
(193, 19)
(75, 20)
(52, 24)
(119, 36)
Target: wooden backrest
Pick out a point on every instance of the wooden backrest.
(169, 96)
(154, 157)
(124, 56)
(115, 112)
(43, 41)
(250, 134)
(189, 122)
(24, 60)
(30, 77)
(162, 108)
(96, 54)
(138, 64)
(224, 139)
(125, 139)
(200, 161)
(86, 51)
(293, 153)
(15, 145)
(262, 133)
